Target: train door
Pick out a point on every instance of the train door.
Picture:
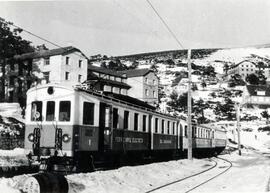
(150, 131)
(105, 127)
(180, 135)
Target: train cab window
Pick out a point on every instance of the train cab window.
(50, 111)
(126, 119)
(144, 123)
(156, 125)
(88, 113)
(115, 118)
(162, 126)
(64, 111)
(168, 127)
(136, 121)
(36, 112)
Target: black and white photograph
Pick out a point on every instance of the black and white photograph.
(134, 96)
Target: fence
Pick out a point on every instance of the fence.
(11, 142)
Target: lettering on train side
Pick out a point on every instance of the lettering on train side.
(128, 140)
(165, 141)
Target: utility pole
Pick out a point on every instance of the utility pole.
(189, 108)
(237, 106)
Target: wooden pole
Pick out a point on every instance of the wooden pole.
(189, 108)
(238, 127)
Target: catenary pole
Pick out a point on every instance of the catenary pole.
(238, 127)
(189, 108)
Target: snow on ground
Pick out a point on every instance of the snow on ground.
(13, 157)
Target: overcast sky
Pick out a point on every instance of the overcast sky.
(119, 27)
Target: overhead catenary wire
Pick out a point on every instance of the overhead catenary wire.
(165, 24)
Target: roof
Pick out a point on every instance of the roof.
(48, 53)
(129, 99)
(252, 89)
(105, 71)
(108, 82)
(136, 72)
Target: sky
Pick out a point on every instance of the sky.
(121, 27)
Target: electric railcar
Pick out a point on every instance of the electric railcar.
(72, 128)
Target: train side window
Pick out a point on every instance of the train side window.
(181, 130)
(115, 118)
(173, 129)
(185, 130)
(136, 121)
(162, 126)
(168, 127)
(156, 125)
(36, 112)
(50, 113)
(88, 113)
(126, 119)
(64, 111)
(144, 122)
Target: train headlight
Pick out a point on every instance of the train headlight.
(31, 137)
(66, 138)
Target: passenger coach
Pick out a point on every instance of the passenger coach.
(70, 128)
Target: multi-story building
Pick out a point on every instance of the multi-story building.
(106, 80)
(66, 65)
(144, 85)
(247, 67)
(257, 95)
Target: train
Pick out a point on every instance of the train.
(73, 128)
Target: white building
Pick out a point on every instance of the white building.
(66, 65)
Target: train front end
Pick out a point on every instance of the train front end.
(49, 124)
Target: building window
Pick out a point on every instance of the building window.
(115, 118)
(79, 78)
(50, 111)
(146, 92)
(88, 113)
(67, 76)
(136, 121)
(80, 63)
(64, 111)
(146, 80)
(154, 82)
(154, 93)
(126, 119)
(47, 61)
(11, 81)
(46, 76)
(156, 125)
(67, 60)
(144, 123)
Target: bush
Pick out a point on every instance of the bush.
(266, 128)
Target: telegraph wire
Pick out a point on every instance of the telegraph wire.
(37, 36)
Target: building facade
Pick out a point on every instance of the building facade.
(144, 85)
(246, 68)
(106, 80)
(256, 95)
(66, 65)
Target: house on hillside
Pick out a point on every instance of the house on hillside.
(67, 65)
(106, 80)
(144, 84)
(257, 95)
(247, 67)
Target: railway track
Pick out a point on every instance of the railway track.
(192, 182)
